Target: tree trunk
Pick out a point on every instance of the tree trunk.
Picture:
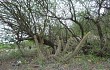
(102, 42)
(100, 35)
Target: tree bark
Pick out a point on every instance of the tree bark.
(100, 35)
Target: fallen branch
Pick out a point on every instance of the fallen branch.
(68, 56)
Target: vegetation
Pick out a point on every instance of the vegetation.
(57, 31)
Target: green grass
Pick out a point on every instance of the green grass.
(7, 46)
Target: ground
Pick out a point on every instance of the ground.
(29, 62)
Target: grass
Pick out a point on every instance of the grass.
(84, 62)
(7, 46)
(10, 54)
(81, 62)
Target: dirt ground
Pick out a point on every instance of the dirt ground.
(30, 63)
(10, 61)
(12, 65)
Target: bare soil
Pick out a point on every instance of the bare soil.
(29, 63)
(12, 65)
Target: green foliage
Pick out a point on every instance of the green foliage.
(42, 18)
(27, 42)
(15, 54)
(9, 54)
(7, 46)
